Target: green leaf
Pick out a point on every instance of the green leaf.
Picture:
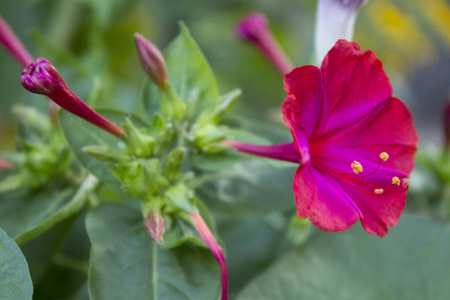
(411, 262)
(15, 280)
(24, 210)
(127, 264)
(80, 133)
(252, 244)
(189, 73)
(250, 188)
(27, 214)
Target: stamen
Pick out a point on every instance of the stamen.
(356, 167)
(405, 184)
(379, 191)
(395, 180)
(384, 156)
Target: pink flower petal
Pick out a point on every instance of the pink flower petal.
(305, 190)
(333, 209)
(305, 84)
(355, 86)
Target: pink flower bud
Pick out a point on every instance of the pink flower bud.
(447, 125)
(152, 60)
(215, 248)
(42, 78)
(255, 29)
(6, 164)
(155, 225)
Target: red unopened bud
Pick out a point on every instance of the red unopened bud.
(10, 41)
(42, 78)
(255, 28)
(447, 125)
(6, 164)
(152, 60)
(155, 225)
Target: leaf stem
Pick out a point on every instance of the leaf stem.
(215, 248)
(76, 204)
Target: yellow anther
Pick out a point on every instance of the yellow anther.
(384, 156)
(395, 180)
(356, 167)
(379, 191)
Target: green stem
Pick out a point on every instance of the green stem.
(201, 180)
(72, 263)
(76, 204)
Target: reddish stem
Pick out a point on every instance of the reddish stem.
(216, 250)
(10, 41)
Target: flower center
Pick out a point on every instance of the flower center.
(358, 180)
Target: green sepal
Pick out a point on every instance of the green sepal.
(172, 164)
(162, 132)
(215, 113)
(208, 134)
(139, 142)
(171, 104)
(140, 178)
(107, 154)
(181, 198)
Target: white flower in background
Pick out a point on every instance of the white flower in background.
(335, 20)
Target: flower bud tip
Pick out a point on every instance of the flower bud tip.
(155, 225)
(152, 60)
(249, 27)
(255, 28)
(41, 77)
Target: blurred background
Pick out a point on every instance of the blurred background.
(92, 41)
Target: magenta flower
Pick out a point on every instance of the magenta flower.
(355, 142)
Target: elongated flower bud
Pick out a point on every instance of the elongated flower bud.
(335, 20)
(155, 225)
(215, 248)
(255, 29)
(10, 41)
(447, 125)
(152, 60)
(42, 78)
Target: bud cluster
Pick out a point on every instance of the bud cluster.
(43, 153)
(205, 133)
